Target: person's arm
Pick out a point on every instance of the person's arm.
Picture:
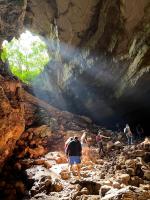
(86, 141)
(67, 149)
(105, 136)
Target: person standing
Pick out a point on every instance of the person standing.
(129, 134)
(74, 152)
(84, 144)
(99, 140)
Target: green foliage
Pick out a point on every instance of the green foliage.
(27, 56)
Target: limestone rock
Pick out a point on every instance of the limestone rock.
(84, 191)
(118, 144)
(57, 186)
(47, 164)
(89, 197)
(147, 174)
(12, 123)
(131, 171)
(130, 163)
(145, 187)
(104, 189)
(135, 181)
(115, 184)
(11, 25)
(65, 174)
(88, 25)
(129, 193)
(41, 179)
(124, 178)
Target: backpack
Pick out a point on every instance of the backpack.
(127, 132)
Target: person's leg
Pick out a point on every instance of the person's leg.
(78, 170)
(131, 140)
(102, 148)
(87, 151)
(99, 148)
(70, 168)
(70, 160)
(128, 138)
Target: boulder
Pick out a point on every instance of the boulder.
(84, 191)
(40, 179)
(47, 164)
(131, 171)
(130, 163)
(88, 197)
(104, 189)
(115, 184)
(135, 181)
(57, 186)
(118, 145)
(147, 175)
(145, 186)
(65, 174)
(110, 145)
(123, 178)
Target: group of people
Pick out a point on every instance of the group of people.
(74, 148)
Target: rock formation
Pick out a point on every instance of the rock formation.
(106, 45)
(20, 110)
(12, 123)
(11, 18)
(114, 36)
(102, 70)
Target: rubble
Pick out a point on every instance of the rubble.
(117, 175)
(125, 193)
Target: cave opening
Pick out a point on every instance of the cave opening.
(26, 56)
(35, 61)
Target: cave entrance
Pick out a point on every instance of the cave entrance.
(27, 56)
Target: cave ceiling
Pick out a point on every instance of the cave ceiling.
(117, 30)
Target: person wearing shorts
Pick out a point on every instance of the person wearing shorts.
(74, 152)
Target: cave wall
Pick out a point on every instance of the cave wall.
(12, 15)
(116, 33)
(12, 122)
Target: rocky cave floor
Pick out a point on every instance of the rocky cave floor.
(32, 173)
